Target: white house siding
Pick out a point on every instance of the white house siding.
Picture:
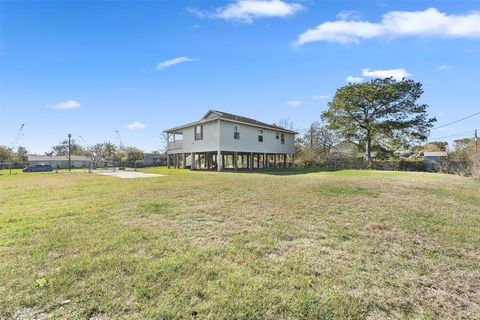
(248, 141)
(208, 143)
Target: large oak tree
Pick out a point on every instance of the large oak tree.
(380, 112)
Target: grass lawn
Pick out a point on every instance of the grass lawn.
(294, 244)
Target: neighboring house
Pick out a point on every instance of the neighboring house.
(344, 149)
(435, 156)
(222, 140)
(348, 150)
(60, 162)
(404, 153)
(155, 159)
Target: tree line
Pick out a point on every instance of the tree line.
(381, 117)
(7, 154)
(104, 151)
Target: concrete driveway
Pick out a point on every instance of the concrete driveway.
(127, 174)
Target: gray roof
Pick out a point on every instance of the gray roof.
(234, 118)
(435, 154)
(57, 158)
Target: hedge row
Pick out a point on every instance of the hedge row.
(387, 165)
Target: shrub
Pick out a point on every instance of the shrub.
(360, 164)
(463, 162)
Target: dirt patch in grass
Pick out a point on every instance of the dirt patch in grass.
(376, 226)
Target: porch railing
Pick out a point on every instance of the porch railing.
(175, 145)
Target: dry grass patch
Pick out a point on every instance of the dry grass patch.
(292, 244)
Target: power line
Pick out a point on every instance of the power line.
(447, 124)
(454, 135)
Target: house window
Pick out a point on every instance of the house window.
(198, 134)
(260, 135)
(277, 135)
(236, 133)
(282, 138)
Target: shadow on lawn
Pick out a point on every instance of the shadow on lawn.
(280, 171)
(299, 171)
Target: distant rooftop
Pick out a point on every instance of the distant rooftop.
(435, 154)
(57, 158)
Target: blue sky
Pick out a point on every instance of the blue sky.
(89, 68)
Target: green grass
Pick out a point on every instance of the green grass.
(292, 244)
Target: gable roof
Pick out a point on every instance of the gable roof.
(233, 118)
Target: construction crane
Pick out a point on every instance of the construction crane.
(92, 156)
(17, 138)
(15, 144)
(120, 144)
(84, 141)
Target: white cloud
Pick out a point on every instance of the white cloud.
(248, 10)
(199, 13)
(349, 15)
(396, 24)
(135, 125)
(66, 105)
(293, 103)
(397, 74)
(322, 97)
(172, 62)
(443, 67)
(353, 79)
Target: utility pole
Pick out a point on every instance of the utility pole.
(476, 141)
(69, 153)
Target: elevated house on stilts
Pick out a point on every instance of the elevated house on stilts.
(221, 140)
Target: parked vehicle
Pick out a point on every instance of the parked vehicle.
(38, 168)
